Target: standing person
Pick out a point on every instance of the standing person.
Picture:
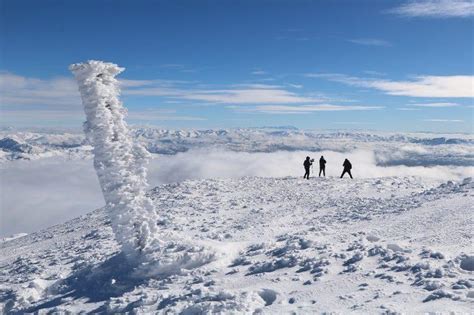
(322, 166)
(347, 168)
(307, 164)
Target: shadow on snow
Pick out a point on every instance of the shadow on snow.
(95, 283)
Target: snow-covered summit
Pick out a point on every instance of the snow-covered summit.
(280, 245)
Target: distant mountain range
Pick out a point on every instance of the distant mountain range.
(412, 148)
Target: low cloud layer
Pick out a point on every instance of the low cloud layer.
(38, 194)
(197, 164)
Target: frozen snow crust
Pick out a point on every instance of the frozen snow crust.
(261, 245)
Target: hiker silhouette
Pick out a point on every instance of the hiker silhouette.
(307, 164)
(322, 166)
(347, 168)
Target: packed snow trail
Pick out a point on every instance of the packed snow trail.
(286, 245)
(118, 160)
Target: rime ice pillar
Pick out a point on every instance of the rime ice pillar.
(118, 160)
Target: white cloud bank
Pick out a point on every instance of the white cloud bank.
(38, 194)
(197, 164)
(436, 8)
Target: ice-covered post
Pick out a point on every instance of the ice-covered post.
(118, 160)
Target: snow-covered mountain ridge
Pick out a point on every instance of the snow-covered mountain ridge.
(411, 148)
(284, 245)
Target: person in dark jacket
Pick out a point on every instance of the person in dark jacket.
(307, 164)
(322, 166)
(347, 168)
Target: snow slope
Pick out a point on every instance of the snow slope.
(274, 245)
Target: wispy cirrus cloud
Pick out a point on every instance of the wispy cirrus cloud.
(259, 72)
(124, 83)
(172, 66)
(41, 117)
(444, 120)
(128, 84)
(178, 67)
(28, 101)
(295, 86)
(20, 90)
(62, 92)
(408, 109)
(435, 8)
(375, 73)
(234, 94)
(417, 106)
(302, 109)
(436, 105)
(62, 117)
(247, 96)
(352, 123)
(41, 114)
(160, 115)
(256, 86)
(456, 86)
(370, 42)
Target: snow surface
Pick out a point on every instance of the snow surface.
(262, 245)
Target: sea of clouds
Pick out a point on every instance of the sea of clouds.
(39, 193)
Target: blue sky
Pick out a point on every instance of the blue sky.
(379, 64)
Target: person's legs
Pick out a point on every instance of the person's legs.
(320, 170)
(343, 172)
(324, 171)
(349, 172)
(306, 174)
